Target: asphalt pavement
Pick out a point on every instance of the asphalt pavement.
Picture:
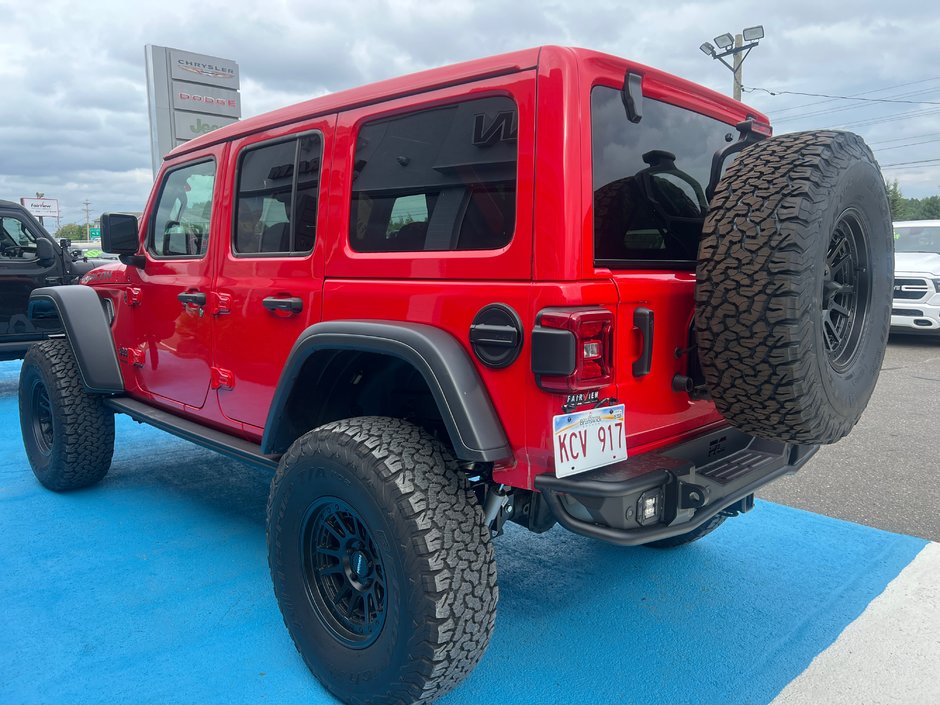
(886, 473)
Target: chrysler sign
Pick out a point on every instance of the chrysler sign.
(188, 95)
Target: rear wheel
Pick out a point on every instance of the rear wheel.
(381, 563)
(793, 291)
(68, 434)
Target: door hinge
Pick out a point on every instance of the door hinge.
(219, 304)
(221, 379)
(132, 356)
(132, 296)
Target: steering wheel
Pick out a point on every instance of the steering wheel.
(10, 250)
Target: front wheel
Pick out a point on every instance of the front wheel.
(381, 563)
(67, 432)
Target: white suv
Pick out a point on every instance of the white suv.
(916, 305)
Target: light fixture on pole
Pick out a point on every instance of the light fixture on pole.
(735, 47)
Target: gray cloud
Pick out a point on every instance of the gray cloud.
(73, 115)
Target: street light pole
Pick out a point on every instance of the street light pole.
(737, 47)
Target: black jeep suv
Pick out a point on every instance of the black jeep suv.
(30, 258)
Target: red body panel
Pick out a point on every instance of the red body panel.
(548, 263)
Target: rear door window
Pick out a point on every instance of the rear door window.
(276, 208)
(649, 180)
(436, 180)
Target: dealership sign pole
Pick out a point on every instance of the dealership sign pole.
(187, 95)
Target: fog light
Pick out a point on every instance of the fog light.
(649, 507)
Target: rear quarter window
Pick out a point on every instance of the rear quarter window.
(439, 179)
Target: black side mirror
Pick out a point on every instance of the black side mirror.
(45, 252)
(119, 235)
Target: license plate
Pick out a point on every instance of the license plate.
(590, 439)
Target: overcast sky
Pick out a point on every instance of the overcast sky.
(73, 102)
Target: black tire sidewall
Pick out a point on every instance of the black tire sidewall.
(860, 188)
(33, 372)
(329, 659)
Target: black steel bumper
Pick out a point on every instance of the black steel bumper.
(692, 481)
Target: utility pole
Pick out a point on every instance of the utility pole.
(87, 204)
(735, 47)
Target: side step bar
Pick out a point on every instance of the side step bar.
(219, 441)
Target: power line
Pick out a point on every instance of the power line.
(853, 106)
(852, 97)
(906, 137)
(890, 118)
(900, 164)
(844, 97)
(908, 144)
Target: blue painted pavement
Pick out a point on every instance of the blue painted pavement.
(153, 588)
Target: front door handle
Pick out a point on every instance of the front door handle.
(195, 298)
(292, 304)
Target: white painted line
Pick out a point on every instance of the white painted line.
(890, 654)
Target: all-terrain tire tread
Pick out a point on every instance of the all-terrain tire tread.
(754, 298)
(454, 561)
(85, 428)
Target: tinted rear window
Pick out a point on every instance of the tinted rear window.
(649, 179)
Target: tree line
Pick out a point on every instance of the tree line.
(912, 208)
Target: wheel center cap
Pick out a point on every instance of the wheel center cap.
(359, 564)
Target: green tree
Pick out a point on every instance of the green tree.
(72, 231)
(930, 208)
(896, 200)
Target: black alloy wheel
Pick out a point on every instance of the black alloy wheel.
(343, 572)
(68, 433)
(846, 292)
(43, 427)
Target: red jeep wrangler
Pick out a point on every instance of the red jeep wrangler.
(549, 286)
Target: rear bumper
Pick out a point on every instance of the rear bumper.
(691, 481)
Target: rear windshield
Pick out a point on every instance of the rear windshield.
(917, 238)
(649, 180)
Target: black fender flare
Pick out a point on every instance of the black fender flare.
(88, 332)
(463, 401)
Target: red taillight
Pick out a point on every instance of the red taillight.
(591, 365)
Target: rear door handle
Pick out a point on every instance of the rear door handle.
(291, 304)
(196, 298)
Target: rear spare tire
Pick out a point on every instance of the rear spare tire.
(794, 282)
